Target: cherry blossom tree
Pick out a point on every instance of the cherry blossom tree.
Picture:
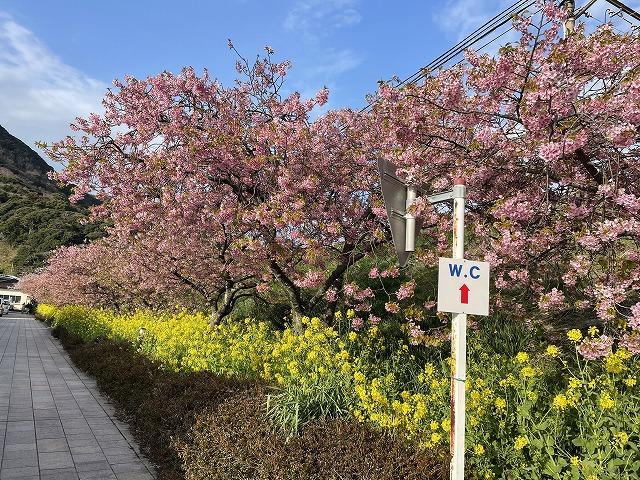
(546, 135)
(97, 274)
(226, 192)
(229, 187)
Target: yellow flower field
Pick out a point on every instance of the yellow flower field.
(536, 415)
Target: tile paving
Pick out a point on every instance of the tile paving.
(54, 424)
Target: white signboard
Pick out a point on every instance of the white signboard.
(463, 286)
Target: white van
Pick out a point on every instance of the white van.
(17, 299)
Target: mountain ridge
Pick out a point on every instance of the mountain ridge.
(22, 164)
(36, 216)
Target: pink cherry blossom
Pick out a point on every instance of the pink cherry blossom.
(594, 348)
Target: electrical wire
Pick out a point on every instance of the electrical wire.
(626, 9)
(482, 32)
(497, 21)
(487, 29)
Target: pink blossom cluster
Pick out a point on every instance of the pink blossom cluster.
(415, 333)
(634, 319)
(406, 290)
(552, 301)
(594, 348)
(312, 279)
(392, 307)
(331, 295)
(357, 323)
(631, 341)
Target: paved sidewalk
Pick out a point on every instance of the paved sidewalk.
(54, 424)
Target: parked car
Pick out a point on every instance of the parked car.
(4, 307)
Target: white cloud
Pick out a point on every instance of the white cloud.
(464, 16)
(40, 95)
(334, 62)
(316, 18)
(315, 21)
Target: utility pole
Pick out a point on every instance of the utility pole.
(570, 22)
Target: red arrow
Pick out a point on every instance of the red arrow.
(464, 293)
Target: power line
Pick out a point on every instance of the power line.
(482, 32)
(582, 11)
(622, 8)
(626, 9)
(487, 29)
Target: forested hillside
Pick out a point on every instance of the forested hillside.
(35, 214)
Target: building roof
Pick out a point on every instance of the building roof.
(6, 280)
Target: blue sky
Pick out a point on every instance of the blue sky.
(58, 57)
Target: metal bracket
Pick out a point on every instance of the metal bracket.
(433, 199)
(440, 197)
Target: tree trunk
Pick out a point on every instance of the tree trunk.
(223, 307)
(214, 318)
(296, 320)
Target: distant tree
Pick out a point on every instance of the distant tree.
(35, 225)
(89, 275)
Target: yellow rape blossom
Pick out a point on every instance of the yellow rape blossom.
(521, 442)
(323, 358)
(359, 377)
(560, 401)
(605, 401)
(429, 369)
(509, 381)
(621, 438)
(614, 362)
(574, 335)
(574, 383)
(446, 424)
(527, 372)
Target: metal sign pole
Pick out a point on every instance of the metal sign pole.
(463, 285)
(410, 221)
(458, 345)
